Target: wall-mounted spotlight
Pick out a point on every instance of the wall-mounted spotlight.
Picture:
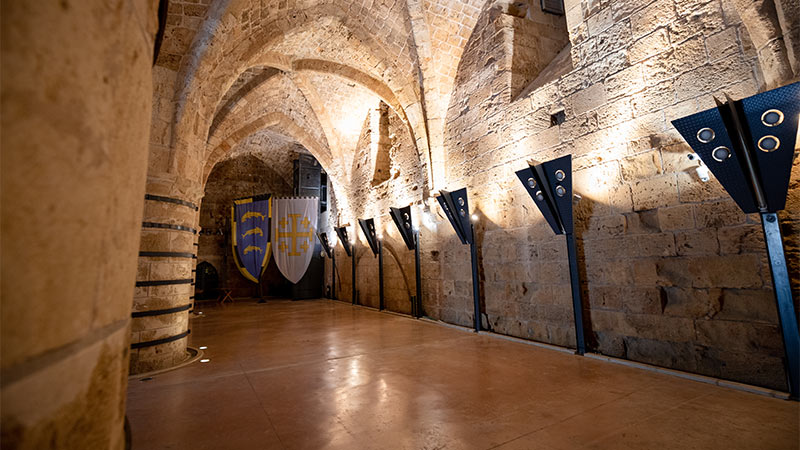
(405, 224)
(342, 233)
(456, 207)
(375, 244)
(368, 227)
(402, 218)
(550, 186)
(749, 145)
(326, 246)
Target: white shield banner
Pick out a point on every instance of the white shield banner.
(294, 221)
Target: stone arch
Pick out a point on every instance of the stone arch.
(278, 121)
(277, 95)
(215, 67)
(283, 125)
(769, 27)
(444, 34)
(380, 89)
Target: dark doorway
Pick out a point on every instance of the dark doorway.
(207, 284)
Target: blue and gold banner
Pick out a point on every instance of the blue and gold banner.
(250, 231)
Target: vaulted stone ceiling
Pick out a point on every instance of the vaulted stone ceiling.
(334, 59)
(473, 89)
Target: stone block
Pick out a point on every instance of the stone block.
(748, 305)
(722, 45)
(589, 98)
(741, 239)
(697, 242)
(692, 303)
(645, 165)
(746, 367)
(680, 217)
(740, 336)
(657, 352)
(605, 298)
(642, 300)
(609, 343)
(626, 82)
(661, 328)
(734, 271)
(655, 192)
(691, 189)
(655, 15)
(662, 244)
(723, 213)
(645, 271)
(694, 19)
(648, 45)
(609, 272)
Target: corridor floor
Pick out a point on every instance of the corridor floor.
(322, 374)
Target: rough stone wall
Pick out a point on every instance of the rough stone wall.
(76, 90)
(231, 179)
(674, 274)
(403, 186)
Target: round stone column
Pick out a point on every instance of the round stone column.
(165, 280)
(76, 109)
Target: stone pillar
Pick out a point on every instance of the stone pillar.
(76, 104)
(166, 277)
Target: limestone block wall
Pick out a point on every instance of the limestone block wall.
(404, 185)
(76, 101)
(231, 179)
(673, 274)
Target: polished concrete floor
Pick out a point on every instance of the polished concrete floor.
(322, 374)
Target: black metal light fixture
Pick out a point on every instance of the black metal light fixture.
(326, 246)
(410, 235)
(456, 207)
(342, 233)
(375, 244)
(550, 186)
(749, 145)
(350, 250)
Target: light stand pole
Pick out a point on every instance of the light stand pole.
(473, 250)
(416, 306)
(749, 146)
(577, 298)
(456, 207)
(353, 260)
(550, 186)
(783, 297)
(402, 218)
(380, 275)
